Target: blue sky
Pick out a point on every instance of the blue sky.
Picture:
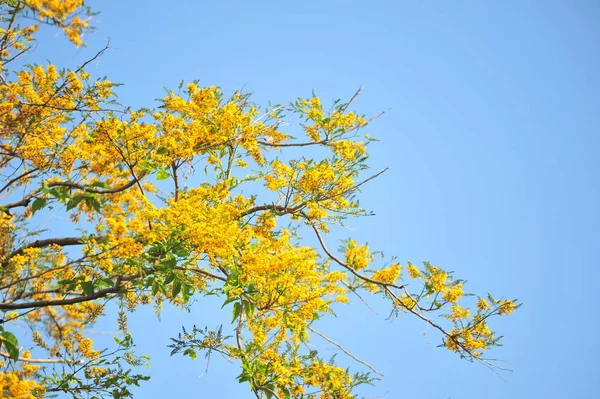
(491, 140)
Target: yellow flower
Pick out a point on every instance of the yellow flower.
(459, 313)
(482, 305)
(413, 271)
(358, 257)
(437, 280)
(454, 293)
(388, 275)
(506, 307)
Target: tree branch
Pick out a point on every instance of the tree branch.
(272, 207)
(63, 242)
(70, 301)
(326, 338)
(96, 190)
(26, 360)
(27, 199)
(203, 272)
(348, 267)
(24, 174)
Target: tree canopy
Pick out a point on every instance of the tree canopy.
(204, 194)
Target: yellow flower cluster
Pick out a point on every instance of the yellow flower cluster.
(406, 302)
(84, 346)
(459, 313)
(61, 13)
(281, 175)
(312, 108)
(159, 232)
(473, 340)
(14, 387)
(20, 384)
(437, 280)
(357, 256)
(483, 305)
(506, 307)
(332, 380)
(203, 123)
(348, 150)
(388, 275)
(413, 271)
(453, 293)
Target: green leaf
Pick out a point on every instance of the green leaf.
(186, 293)
(162, 151)
(181, 251)
(87, 287)
(7, 336)
(169, 263)
(103, 283)
(248, 308)
(11, 344)
(148, 282)
(228, 301)
(99, 184)
(170, 277)
(60, 193)
(12, 3)
(269, 391)
(155, 287)
(73, 202)
(191, 353)
(146, 165)
(93, 203)
(38, 204)
(237, 309)
(176, 289)
(69, 284)
(162, 175)
(12, 350)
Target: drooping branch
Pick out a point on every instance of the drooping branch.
(357, 185)
(388, 290)
(305, 144)
(15, 179)
(70, 301)
(347, 266)
(72, 109)
(63, 242)
(27, 360)
(282, 210)
(328, 139)
(39, 275)
(79, 69)
(326, 338)
(202, 272)
(27, 199)
(13, 17)
(94, 190)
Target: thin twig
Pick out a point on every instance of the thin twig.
(360, 297)
(348, 267)
(26, 360)
(326, 338)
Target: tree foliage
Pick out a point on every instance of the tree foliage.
(203, 195)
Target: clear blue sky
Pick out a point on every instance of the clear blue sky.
(492, 142)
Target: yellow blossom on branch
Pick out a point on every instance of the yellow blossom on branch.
(200, 194)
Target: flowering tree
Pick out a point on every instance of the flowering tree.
(204, 195)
